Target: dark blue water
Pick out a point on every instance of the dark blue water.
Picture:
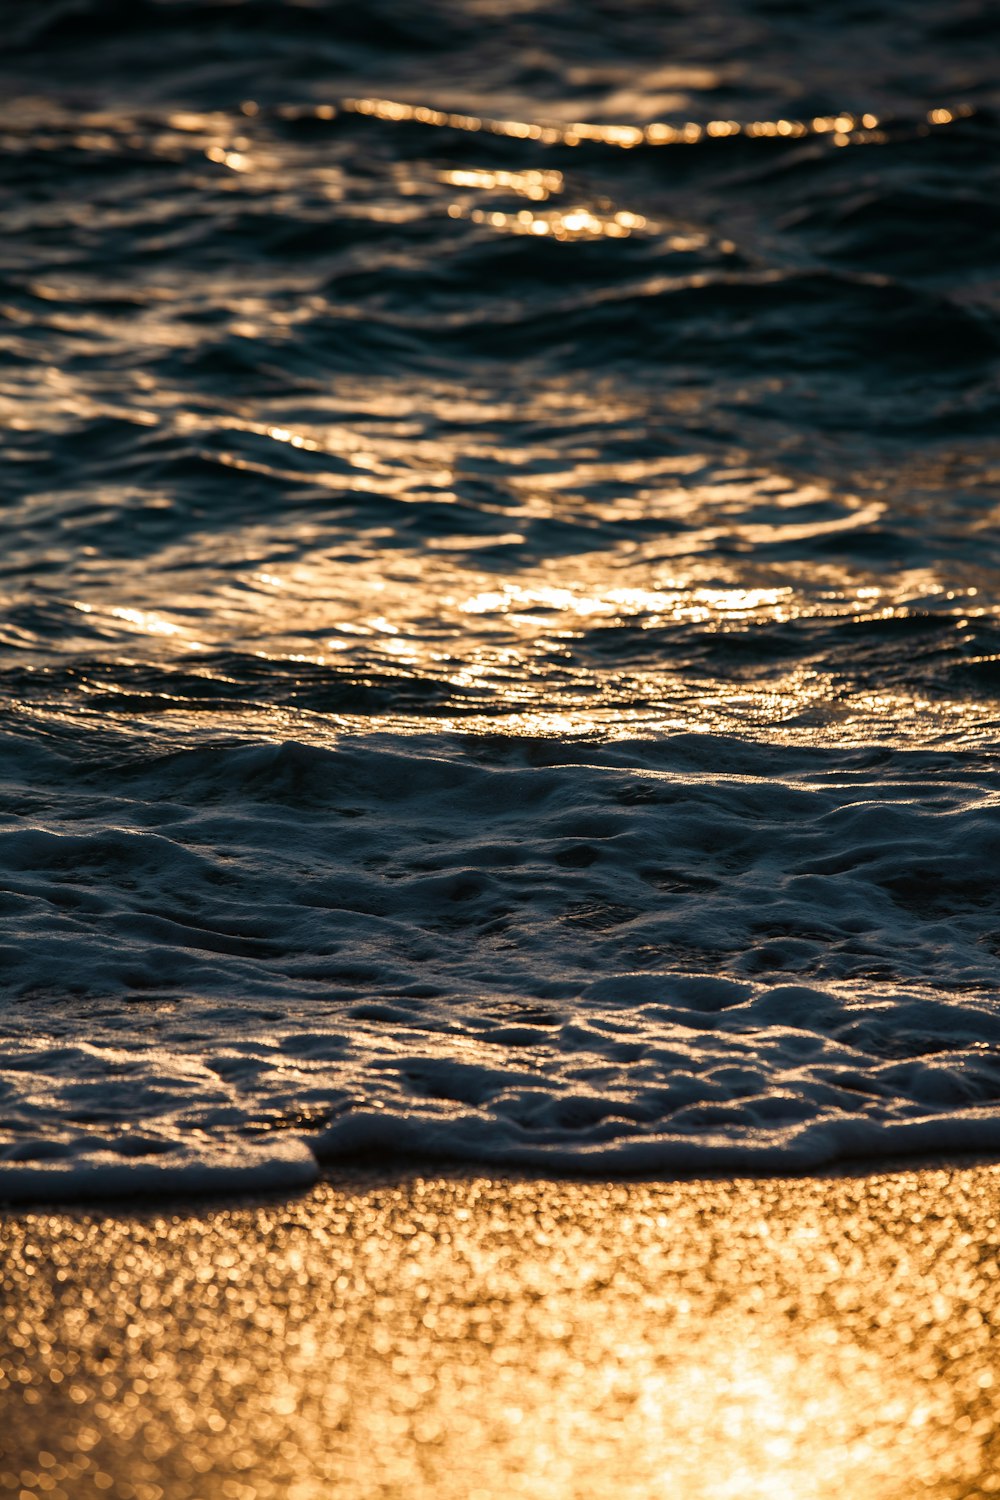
(498, 552)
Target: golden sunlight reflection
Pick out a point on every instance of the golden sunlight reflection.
(146, 621)
(449, 1337)
(843, 129)
(239, 144)
(568, 224)
(653, 630)
(536, 185)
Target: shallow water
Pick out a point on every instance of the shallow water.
(497, 587)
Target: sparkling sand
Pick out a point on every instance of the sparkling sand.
(477, 1337)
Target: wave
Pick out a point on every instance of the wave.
(687, 954)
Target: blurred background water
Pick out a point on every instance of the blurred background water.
(497, 559)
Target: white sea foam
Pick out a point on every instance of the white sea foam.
(667, 956)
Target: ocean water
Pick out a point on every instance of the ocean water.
(498, 545)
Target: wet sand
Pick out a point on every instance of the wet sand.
(477, 1337)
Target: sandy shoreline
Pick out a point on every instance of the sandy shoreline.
(444, 1334)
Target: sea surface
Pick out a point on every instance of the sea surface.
(499, 533)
